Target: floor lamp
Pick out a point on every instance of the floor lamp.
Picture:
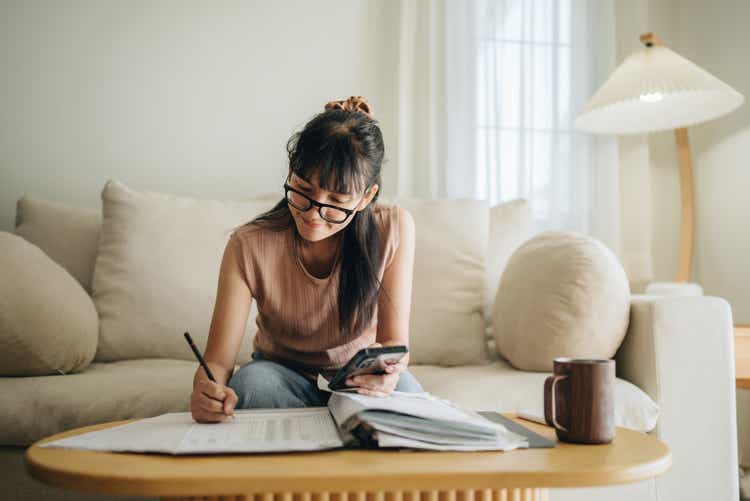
(656, 89)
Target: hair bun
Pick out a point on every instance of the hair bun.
(353, 103)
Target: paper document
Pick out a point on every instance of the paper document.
(400, 419)
(249, 430)
(344, 406)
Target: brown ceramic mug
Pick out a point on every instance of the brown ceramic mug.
(579, 400)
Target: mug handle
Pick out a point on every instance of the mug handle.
(555, 379)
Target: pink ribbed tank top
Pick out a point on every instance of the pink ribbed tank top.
(298, 312)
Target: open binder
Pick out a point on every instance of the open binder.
(350, 420)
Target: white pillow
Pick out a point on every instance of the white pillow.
(48, 324)
(499, 387)
(562, 294)
(446, 323)
(157, 271)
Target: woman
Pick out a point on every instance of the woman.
(331, 272)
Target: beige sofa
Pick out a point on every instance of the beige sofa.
(148, 263)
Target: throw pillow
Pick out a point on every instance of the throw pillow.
(562, 294)
(157, 271)
(67, 234)
(446, 323)
(48, 324)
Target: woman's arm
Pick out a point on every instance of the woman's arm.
(229, 320)
(211, 402)
(393, 319)
(393, 315)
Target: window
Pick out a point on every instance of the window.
(526, 144)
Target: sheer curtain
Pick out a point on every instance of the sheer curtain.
(538, 62)
(487, 93)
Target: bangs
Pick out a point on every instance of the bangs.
(335, 162)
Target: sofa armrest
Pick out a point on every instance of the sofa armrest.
(680, 350)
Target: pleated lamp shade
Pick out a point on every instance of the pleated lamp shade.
(656, 89)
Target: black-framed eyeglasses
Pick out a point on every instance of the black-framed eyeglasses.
(331, 213)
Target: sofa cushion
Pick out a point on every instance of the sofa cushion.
(149, 387)
(446, 324)
(67, 234)
(157, 271)
(35, 407)
(48, 323)
(500, 387)
(562, 294)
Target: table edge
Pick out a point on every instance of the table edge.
(81, 481)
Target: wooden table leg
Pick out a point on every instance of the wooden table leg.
(510, 494)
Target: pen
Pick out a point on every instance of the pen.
(199, 357)
(531, 417)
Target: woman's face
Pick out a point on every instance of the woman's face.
(310, 225)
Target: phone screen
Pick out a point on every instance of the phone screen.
(377, 364)
(367, 361)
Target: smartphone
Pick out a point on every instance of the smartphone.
(367, 361)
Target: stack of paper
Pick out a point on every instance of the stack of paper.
(418, 420)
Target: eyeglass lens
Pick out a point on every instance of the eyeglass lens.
(330, 214)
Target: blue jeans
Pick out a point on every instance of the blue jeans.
(262, 383)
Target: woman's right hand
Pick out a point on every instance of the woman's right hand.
(211, 402)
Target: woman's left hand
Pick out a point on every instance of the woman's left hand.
(378, 385)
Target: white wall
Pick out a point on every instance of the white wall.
(186, 97)
(715, 36)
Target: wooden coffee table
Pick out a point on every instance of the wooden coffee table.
(354, 475)
(742, 355)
